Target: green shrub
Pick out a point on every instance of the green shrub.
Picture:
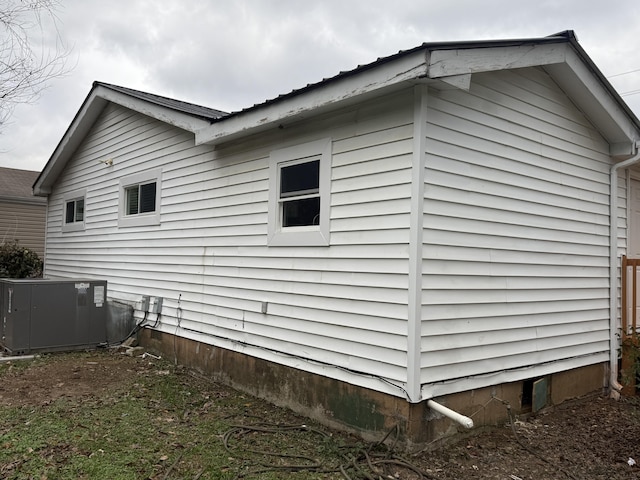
(19, 262)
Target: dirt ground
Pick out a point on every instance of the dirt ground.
(593, 438)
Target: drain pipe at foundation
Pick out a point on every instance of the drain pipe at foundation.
(447, 412)
(615, 387)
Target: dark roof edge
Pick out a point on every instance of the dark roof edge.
(188, 108)
(561, 37)
(584, 56)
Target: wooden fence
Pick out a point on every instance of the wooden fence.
(629, 335)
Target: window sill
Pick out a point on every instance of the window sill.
(139, 220)
(73, 227)
(298, 237)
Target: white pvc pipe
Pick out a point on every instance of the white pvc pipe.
(447, 412)
(13, 359)
(613, 269)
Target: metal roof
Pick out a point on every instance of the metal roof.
(211, 124)
(178, 105)
(560, 37)
(215, 116)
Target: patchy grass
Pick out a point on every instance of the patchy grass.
(101, 415)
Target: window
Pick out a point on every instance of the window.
(140, 199)
(300, 194)
(299, 203)
(74, 211)
(73, 216)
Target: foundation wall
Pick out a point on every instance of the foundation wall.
(365, 412)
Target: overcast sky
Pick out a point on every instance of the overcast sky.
(231, 54)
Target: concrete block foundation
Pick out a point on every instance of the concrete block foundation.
(358, 410)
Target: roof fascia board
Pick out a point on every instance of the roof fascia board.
(329, 95)
(79, 127)
(159, 112)
(463, 61)
(596, 101)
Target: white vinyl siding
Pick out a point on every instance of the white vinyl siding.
(516, 225)
(514, 251)
(341, 304)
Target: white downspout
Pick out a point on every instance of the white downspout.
(447, 412)
(615, 387)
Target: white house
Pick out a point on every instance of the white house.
(431, 226)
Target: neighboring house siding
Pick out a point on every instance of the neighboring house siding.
(23, 222)
(344, 305)
(516, 232)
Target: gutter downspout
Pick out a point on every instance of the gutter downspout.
(614, 386)
(447, 412)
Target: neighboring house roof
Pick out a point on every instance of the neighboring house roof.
(439, 64)
(16, 184)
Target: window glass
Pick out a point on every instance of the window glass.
(300, 178)
(74, 211)
(148, 197)
(141, 198)
(70, 212)
(132, 200)
(298, 213)
(300, 194)
(79, 210)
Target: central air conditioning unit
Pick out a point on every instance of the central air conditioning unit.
(39, 315)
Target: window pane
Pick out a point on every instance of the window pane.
(132, 200)
(298, 213)
(148, 197)
(79, 210)
(70, 211)
(300, 178)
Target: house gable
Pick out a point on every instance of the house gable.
(191, 118)
(516, 233)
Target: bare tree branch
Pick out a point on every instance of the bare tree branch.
(25, 66)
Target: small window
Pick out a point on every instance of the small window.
(74, 211)
(140, 199)
(299, 191)
(300, 194)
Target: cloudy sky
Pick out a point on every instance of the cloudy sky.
(231, 54)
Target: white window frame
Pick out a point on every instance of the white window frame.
(74, 196)
(312, 235)
(139, 219)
